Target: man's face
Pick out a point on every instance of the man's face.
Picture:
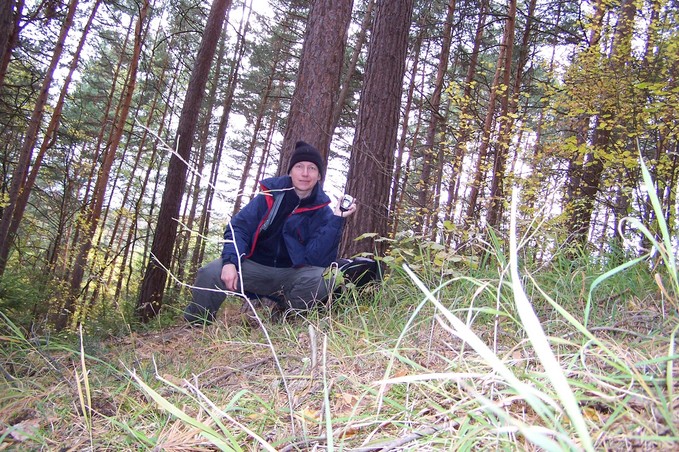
(305, 176)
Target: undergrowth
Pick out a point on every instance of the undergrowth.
(444, 354)
(404, 365)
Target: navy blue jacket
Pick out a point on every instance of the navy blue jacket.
(311, 233)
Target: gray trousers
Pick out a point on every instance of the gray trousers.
(301, 287)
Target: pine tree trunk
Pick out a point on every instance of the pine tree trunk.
(252, 146)
(505, 130)
(57, 256)
(372, 157)
(121, 233)
(183, 262)
(10, 17)
(401, 171)
(151, 296)
(318, 78)
(98, 195)
(351, 69)
(234, 71)
(535, 184)
(465, 126)
(265, 155)
(480, 166)
(426, 201)
(20, 172)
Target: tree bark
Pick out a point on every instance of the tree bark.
(466, 126)
(10, 16)
(257, 127)
(401, 171)
(425, 199)
(479, 167)
(351, 69)
(151, 295)
(99, 193)
(372, 156)
(204, 133)
(318, 78)
(20, 172)
(505, 130)
(234, 71)
(120, 233)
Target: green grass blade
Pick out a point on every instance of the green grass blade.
(659, 215)
(533, 396)
(208, 432)
(669, 373)
(602, 278)
(538, 338)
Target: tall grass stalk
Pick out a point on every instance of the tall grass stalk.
(543, 404)
(669, 373)
(326, 397)
(223, 442)
(663, 246)
(533, 328)
(84, 393)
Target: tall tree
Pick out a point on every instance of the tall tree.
(97, 201)
(605, 124)
(372, 156)
(20, 172)
(425, 200)
(353, 63)
(498, 93)
(153, 285)
(318, 78)
(466, 126)
(233, 77)
(505, 129)
(401, 173)
(204, 136)
(10, 14)
(258, 125)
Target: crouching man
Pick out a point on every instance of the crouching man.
(286, 237)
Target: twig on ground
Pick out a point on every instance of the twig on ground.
(303, 443)
(249, 366)
(623, 331)
(398, 442)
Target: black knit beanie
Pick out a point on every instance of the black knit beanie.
(305, 152)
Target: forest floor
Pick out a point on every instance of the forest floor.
(380, 370)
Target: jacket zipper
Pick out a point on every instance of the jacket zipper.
(278, 244)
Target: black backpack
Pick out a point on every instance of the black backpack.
(359, 271)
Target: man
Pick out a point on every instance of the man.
(279, 244)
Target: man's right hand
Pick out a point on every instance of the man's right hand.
(230, 277)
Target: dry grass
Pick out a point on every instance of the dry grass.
(224, 377)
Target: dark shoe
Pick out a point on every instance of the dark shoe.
(247, 311)
(198, 317)
(277, 312)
